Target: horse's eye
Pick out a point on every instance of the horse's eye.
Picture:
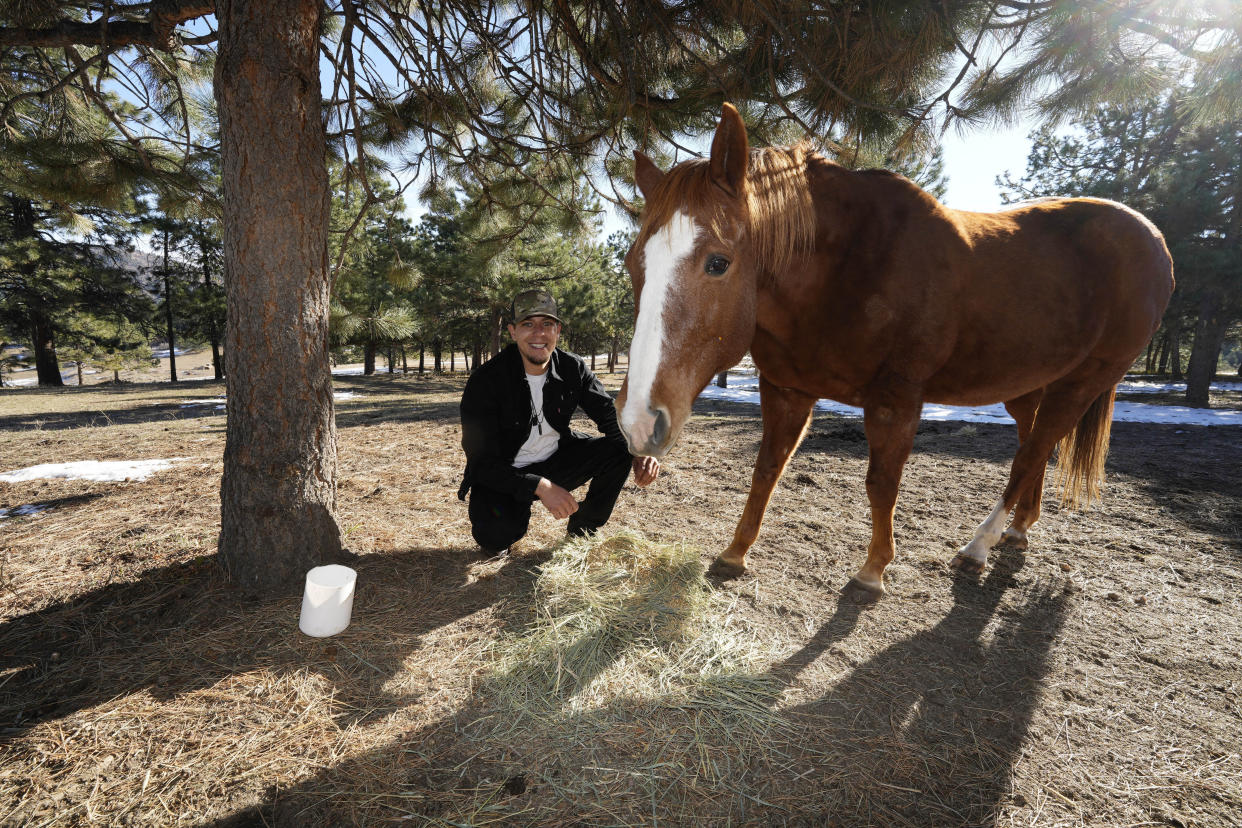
(716, 265)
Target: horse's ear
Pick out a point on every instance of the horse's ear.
(646, 174)
(730, 151)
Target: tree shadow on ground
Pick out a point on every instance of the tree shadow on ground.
(183, 627)
(140, 413)
(1190, 473)
(49, 505)
(926, 732)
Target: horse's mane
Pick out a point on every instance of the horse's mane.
(782, 218)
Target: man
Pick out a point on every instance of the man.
(515, 416)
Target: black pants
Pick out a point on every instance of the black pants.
(498, 519)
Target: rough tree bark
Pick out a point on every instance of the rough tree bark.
(1205, 351)
(278, 495)
(42, 334)
(47, 366)
(168, 310)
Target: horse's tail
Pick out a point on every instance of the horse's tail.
(1080, 458)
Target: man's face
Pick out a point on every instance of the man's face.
(536, 339)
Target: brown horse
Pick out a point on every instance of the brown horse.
(862, 288)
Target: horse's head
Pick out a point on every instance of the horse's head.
(694, 286)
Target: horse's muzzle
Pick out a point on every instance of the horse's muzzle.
(647, 435)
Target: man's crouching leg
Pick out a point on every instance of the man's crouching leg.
(497, 520)
(606, 463)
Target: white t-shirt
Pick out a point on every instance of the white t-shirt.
(543, 439)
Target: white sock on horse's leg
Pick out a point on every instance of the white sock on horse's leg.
(987, 535)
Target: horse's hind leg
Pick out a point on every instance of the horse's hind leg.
(786, 414)
(1059, 411)
(1023, 410)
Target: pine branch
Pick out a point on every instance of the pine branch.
(157, 31)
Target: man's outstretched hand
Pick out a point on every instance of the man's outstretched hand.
(646, 469)
(557, 500)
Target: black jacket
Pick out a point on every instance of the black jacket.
(497, 413)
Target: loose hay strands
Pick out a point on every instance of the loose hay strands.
(624, 618)
(632, 690)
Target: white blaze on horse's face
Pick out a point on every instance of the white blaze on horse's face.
(664, 254)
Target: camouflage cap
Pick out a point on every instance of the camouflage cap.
(530, 303)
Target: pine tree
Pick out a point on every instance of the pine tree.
(459, 88)
(1188, 179)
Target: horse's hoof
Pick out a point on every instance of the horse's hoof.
(861, 593)
(1013, 539)
(967, 565)
(726, 570)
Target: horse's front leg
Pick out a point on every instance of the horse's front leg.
(890, 426)
(786, 413)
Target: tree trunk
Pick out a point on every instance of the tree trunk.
(722, 379)
(278, 495)
(1170, 349)
(422, 358)
(168, 310)
(368, 358)
(478, 354)
(1175, 353)
(452, 358)
(496, 327)
(1205, 351)
(437, 346)
(47, 367)
(405, 365)
(391, 359)
(78, 364)
(217, 364)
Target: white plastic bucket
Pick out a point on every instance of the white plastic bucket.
(328, 600)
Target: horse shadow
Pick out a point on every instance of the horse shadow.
(926, 732)
(184, 627)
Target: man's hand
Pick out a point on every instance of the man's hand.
(557, 500)
(645, 470)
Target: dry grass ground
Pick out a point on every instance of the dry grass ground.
(1092, 680)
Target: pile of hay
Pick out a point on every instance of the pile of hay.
(632, 687)
(624, 621)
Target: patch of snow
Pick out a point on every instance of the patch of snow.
(347, 370)
(346, 395)
(25, 510)
(746, 390)
(163, 352)
(97, 470)
(1141, 386)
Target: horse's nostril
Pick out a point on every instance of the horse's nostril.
(659, 429)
